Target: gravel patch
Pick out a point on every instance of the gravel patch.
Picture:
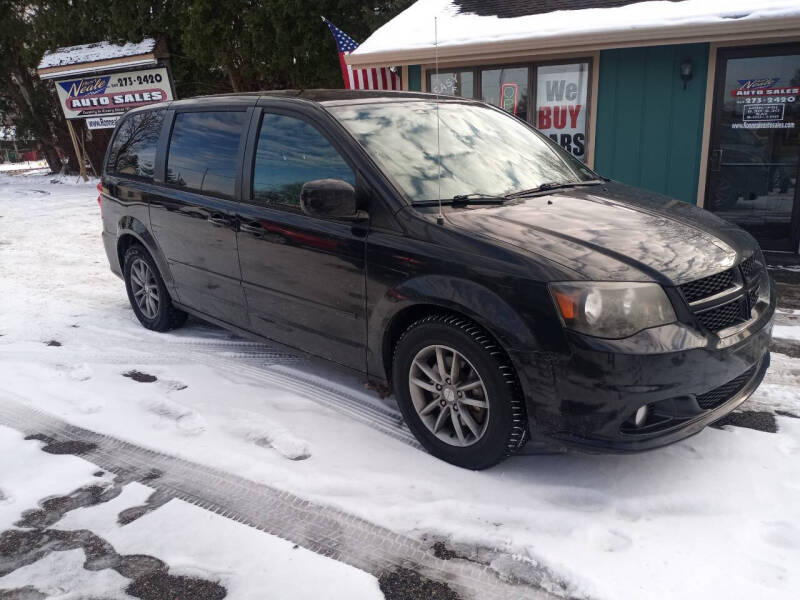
(404, 584)
(140, 377)
(758, 420)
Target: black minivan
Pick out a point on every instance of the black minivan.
(502, 289)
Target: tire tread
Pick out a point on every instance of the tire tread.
(517, 436)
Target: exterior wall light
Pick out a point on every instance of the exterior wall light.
(686, 71)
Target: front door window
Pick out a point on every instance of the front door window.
(755, 145)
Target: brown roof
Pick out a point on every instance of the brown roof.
(506, 9)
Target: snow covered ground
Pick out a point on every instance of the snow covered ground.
(218, 554)
(716, 516)
(28, 165)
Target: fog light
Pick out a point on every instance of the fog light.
(641, 416)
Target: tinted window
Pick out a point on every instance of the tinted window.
(134, 149)
(203, 150)
(291, 152)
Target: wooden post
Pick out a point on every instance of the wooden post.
(86, 154)
(78, 153)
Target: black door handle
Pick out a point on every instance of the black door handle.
(220, 220)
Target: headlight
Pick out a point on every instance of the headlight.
(610, 309)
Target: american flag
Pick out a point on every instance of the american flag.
(382, 78)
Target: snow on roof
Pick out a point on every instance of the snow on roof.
(413, 29)
(85, 53)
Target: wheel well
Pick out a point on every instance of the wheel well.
(406, 317)
(124, 242)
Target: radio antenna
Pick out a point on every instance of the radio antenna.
(440, 216)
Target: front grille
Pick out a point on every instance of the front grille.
(720, 395)
(749, 267)
(727, 315)
(742, 296)
(752, 296)
(708, 286)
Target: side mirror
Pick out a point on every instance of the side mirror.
(330, 199)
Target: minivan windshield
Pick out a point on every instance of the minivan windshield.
(483, 151)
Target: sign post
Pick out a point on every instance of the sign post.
(78, 151)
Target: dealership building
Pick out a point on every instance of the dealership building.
(695, 99)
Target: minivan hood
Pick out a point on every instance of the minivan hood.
(613, 232)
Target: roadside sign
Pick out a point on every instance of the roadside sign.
(113, 94)
(102, 122)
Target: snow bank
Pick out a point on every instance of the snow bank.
(413, 29)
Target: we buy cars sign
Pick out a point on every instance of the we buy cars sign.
(113, 94)
(561, 105)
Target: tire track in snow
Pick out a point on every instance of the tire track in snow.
(321, 529)
(261, 364)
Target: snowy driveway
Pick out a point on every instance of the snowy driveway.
(716, 516)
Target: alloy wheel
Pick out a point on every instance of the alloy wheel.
(449, 395)
(144, 288)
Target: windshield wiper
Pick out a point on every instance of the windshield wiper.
(551, 186)
(464, 200)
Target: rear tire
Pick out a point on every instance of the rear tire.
(147, 293)
(472, 415)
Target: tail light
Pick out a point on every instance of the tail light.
(100, 196)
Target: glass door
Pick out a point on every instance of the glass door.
(755, 143)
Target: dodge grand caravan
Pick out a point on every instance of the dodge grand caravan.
(501, 288)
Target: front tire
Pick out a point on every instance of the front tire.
(458, 392)
(147, 293)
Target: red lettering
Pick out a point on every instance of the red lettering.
(544, 118)
(574, 111)
(559, 117)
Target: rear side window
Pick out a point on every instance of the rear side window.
(134, 149)
(203, 150)
(291, 152)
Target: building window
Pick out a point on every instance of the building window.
(558, 94)
(506, 88)
(453, 83)
(561, 105)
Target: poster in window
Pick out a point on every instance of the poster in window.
(561, 94)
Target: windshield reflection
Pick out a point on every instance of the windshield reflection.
(483, 151)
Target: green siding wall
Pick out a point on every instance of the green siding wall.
(649, 129)
(414, 78)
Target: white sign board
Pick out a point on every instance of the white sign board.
(106, 95)
(561, 92)
(102, 122)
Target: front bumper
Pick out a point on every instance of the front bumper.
(587, 398)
